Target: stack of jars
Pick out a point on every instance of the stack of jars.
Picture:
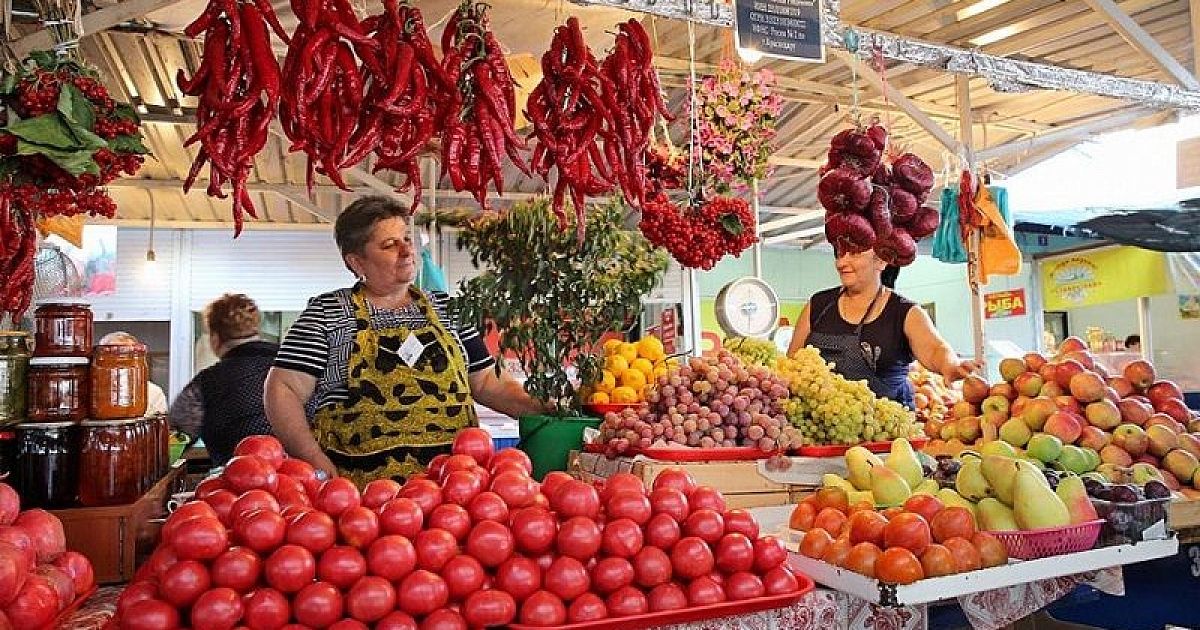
(86, 439)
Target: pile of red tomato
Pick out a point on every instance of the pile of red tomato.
(39, 578)
(474, 543)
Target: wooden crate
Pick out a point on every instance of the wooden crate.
(739, 482)
(109, 536)
(1184, 517)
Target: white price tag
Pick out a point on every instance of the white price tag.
(411, 350)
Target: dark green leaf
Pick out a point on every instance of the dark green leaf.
(76, 108)
(89, 140)
(731, 224)
(125, 111)
(74, 162)
(46, 59)
(48, 130)
(128, 144)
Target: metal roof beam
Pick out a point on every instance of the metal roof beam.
(1075, 132)
(1137, 37)
(94, 22)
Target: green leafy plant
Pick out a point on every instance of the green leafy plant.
(551, 296)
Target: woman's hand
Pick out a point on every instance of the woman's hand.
(960, 369)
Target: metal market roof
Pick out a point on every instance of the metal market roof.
(139, 59)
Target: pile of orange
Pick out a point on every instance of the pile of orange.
(630, 369)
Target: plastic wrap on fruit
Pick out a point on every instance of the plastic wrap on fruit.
(842, 190)
(924, 223)
(896, 248)
(856, 152)
(903, 206)
(848, 233)
(913, 174)
(878, 212)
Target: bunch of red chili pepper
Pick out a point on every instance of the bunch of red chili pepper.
(477, 130)
(18, 243)
(238, 86)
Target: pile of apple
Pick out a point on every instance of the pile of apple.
(899, 545)
(1067, 412)
(932, 397)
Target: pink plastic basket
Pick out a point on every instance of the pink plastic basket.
(1032, 544)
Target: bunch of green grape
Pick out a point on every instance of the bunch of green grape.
(828, 409)
(752, 351)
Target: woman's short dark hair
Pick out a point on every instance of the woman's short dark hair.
(352, 231)
(889, 275)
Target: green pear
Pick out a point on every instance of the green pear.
(998, 447)
(928, 486)
(1143, 472)
(1035, 505)
(1000, 472)
(994, 516)
(889, 488)
(950, 498)
(859, 461)
(1015, 432)
(1073, 494)
(830, 480)
(1074, 459)
(903, 460)
(970, 482)
(1093, 458)
(1044, 447)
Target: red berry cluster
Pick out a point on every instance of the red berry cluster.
(698, 238)
(48, 202)
(109, 128)
(8, 144)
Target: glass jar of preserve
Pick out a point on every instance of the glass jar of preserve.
(111, 458)
(14, 376)
(63, 329)
(162, 445)
(119, 376)
(144, 436)
(58, 389)
(48, 464)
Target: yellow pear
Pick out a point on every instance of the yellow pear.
(888, 486)
(970, 482)
(903, 460)
(830, 480)
(928, 486)
(859, 462)
(994, 516)
(949, 498)
(1000, 472)
(860, 496)
(1035, 505)
(1073, 494)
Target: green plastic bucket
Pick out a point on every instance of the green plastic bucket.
(549, 439)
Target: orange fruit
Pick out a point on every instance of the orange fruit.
(831, 520)
(862, 559)
(866, 527)
(837, 552)
(802, 517)
(907, 530)
(965, 554)
(815, 542)
(992, 552)
(937, 560)
(952, 522)
(898, 566)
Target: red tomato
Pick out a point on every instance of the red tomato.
(458, 462)
(908, 530)
(489, 608)
(315, 531)
(670, 501)
(705, 524)
(186, 511)
(435, 547)
(462, 485)
(208, 486)
(392, 557)
(378, 492)
(567, 578)
(742, 522)
(780, 580)
(249, 472)
(627, 601)
(490, 543)
(76, 566)
(488, 506)
(519, 577)
(370, 599)
(221, 502)
(579, 538)
(264, 446)
(396, 621)
(676, 478)
(703, 591)
(463, 575)
(422, 592)
(253, 500)
(36, 603)
(744, 585)
(218, 609)
(768, 554)
(622, 538)
(663, 532)
(575, 498)
(651, 567)
(134, 593)
(199, 538)
(475, 442)
(452, 518)
(266, 609)
(149, 614)
(434, 469)
(515, 487)
(238, 569)
(534, 530)
(514, 456)
(611, 574)
(348, 624)
(587, 607)
(628, 504)
(552, 481)
(691, 558)
(621, 482)
(336, 496)
(402, 517)
(181, 584)
(735, 553)
(704, 497)
(260, 530)
(318, 605)
(358, 527)
(341, 566)
(302, 471)
(290, 568)
(543, 609)
(669, 596)
(444, 619)
(425, 493)
(291, 494)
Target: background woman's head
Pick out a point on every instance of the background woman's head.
(859, 270)
(231, 318)
(373, 238)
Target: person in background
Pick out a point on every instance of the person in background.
(1133, 343)
(224, 402)
(869, 332)
(374, 380)
(156, 400)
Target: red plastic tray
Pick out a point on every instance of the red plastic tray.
(687, 615)
(75, 605)
(689, 454)
(602, 408)
(837, 450)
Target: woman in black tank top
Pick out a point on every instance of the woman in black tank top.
(871, 333)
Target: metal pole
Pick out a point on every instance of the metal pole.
(758, 267)
(1143, 311)
(974, 280)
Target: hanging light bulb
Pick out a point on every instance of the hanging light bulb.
(151, 271)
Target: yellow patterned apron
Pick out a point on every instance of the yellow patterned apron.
(396, 417)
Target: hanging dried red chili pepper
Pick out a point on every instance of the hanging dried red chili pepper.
(18, 243)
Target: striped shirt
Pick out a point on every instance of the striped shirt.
(319, 342)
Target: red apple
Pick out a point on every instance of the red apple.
(975, 389)
(1175, 408)
(1034, 361)
(1083, 357)
(1068, 403)
(1066, 371)
(1140, 374)
(1003, 389)
(1162, 391)
(1122, 386)
(1072, 344)
(1135, 411)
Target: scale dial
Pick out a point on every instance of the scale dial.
(747, 307)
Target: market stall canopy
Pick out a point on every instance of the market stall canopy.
(138, 60)
(1164, 230)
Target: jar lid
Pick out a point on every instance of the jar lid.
(48, 361)
(64, 301)
(110, 423)
(39, 426)
(121, 348)
(14, 333)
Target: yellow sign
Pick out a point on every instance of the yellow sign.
(1102, 277)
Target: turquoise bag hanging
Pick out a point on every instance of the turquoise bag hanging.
(947, 240)
(432, 277)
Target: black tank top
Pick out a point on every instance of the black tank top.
(891, 354)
